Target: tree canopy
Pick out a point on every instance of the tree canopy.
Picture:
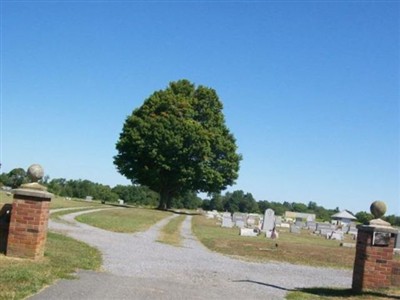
(178, 142)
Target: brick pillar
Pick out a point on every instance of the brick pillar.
(396, 274)
(374, 258)
(28, 224)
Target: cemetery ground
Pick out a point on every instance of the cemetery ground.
(20, 278)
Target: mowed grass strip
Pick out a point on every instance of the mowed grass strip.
(56, 201)
(171, 233)
(60, 202)
(304, 248)
(337, 294)
(56, 216)
(126, 220)
(20, 278)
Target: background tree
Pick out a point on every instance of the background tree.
(216, 202)
(363, 217)
(189, 200)
(16, 177)
(299, 207)
(177, 142)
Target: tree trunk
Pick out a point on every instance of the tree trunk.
(165, 201)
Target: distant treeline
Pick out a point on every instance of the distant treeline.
(236, 201)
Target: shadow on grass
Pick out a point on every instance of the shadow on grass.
(118, 205)
(265, 284)
(328, 292)
(343, 293)
(184, 212)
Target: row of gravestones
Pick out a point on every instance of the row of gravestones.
(327, 230)
(250, 224)
(269, 223)
(243, 220)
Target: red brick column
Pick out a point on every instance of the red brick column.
(396, 274)
(373, 263)
(28, 224)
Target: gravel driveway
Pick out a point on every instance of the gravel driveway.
(137, 267)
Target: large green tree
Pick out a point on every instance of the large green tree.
(177, 142)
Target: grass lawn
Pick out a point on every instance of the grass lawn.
(304, 248)
(20, 278)
(56, 202)
(171, 233)
(56, 216)
(5, 198)
(341, 294)
(60, 202)
(124, 220)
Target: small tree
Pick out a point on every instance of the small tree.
(177, 142)
(17, 177)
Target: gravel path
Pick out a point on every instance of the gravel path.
(137, 267)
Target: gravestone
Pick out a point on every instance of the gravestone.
(239, 219)
(352, 230)
(294, 229)
(227, 221)
(253, 220)
(89, 198)
(324, 228)
(240, 224)
(335, 235)
(248, 232)
(300, 224)
(269, 220)
(120, 201)
(324, 231)
(311, 225)
(210, 215)
(278, 220)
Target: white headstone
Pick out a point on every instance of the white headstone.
(335, 235)
(240, 223)
(227, 222)
(248, 232)
(294, 229)
(269, 220)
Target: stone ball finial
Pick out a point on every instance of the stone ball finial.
(35, 172)
(378, 209)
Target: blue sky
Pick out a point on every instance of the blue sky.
(310, 89)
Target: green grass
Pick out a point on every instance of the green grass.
(341, 294)
(56, 201)
(60, 202)
(171, 233)
(124, 220)
(5, 198)
(304, 248)
(20, 278)
(56, 216)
